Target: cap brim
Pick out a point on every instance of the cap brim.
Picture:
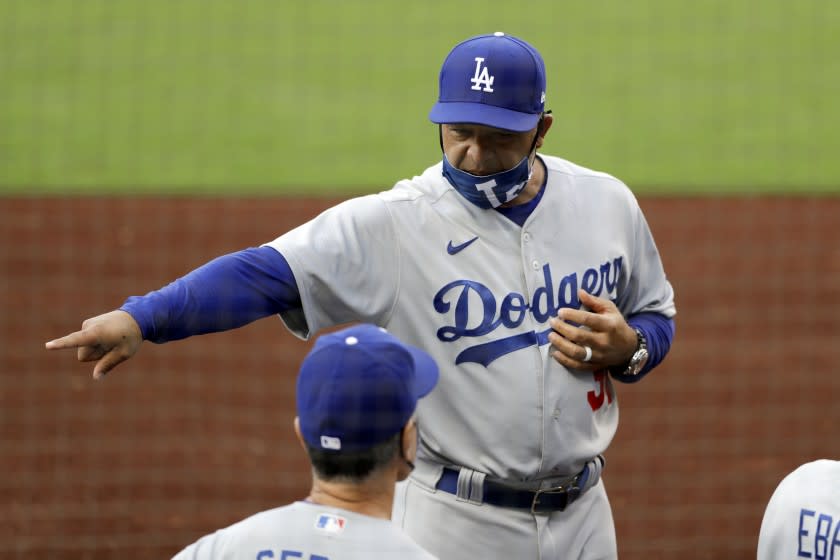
(425, 372)
(479, 113)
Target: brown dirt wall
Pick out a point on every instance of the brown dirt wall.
(194, 435)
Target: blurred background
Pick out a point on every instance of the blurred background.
(141, 138)
(277, 96)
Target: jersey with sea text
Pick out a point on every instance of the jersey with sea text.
(306, 531)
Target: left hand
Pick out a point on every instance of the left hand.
(602, 328)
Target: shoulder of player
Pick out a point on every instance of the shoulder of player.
(574, 171)
(290, 516)
(269, 516)
(816, 483)
(231, 537)
(389, 537)
(820, 469)
(429, 186)
(583, 179)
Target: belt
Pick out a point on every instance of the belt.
(545, 500)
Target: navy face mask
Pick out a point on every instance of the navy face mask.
(490, 191)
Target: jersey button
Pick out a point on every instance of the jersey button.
(526, 237)
(535, 265)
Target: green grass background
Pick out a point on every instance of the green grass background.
(329, 96)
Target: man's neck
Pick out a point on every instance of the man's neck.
(373, 497)
(533, 187)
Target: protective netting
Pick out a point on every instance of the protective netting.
(193, 435)
(145, 99)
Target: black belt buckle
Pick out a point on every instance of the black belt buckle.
(557, 498)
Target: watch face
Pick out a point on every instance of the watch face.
(638, 361)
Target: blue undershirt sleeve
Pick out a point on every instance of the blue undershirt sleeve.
(226, 293)
(659, 332)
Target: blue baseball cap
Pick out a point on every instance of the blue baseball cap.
(359, 386)
(496, 80)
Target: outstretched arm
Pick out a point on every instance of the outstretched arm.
(226, 293)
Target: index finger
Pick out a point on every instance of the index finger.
(73, 340)
(582, 318)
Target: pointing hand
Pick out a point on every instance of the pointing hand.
(107, 339)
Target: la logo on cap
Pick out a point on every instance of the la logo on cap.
(482, 77)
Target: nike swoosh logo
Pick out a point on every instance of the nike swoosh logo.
(453, 249)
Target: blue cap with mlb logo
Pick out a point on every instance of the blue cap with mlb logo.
(359, 386)
(496, 80)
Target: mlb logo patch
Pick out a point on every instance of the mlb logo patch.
(328, 442)
(330, 523)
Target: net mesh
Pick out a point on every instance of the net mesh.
(148, 101)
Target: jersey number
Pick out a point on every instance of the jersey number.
(596, 399)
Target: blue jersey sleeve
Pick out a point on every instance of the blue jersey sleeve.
(659, 332)
(226, 293)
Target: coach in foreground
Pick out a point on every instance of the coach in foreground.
(356, 394)
(532, 281)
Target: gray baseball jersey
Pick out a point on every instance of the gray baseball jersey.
(802, 519)
(476, 291)
(309, 532)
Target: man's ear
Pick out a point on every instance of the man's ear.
(546, 122)
(300, 435)
(409, 440)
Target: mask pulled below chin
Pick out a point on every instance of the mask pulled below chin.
(489, 191)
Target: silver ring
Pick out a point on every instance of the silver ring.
(588, 354)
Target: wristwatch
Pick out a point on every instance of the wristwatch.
(639, 359)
